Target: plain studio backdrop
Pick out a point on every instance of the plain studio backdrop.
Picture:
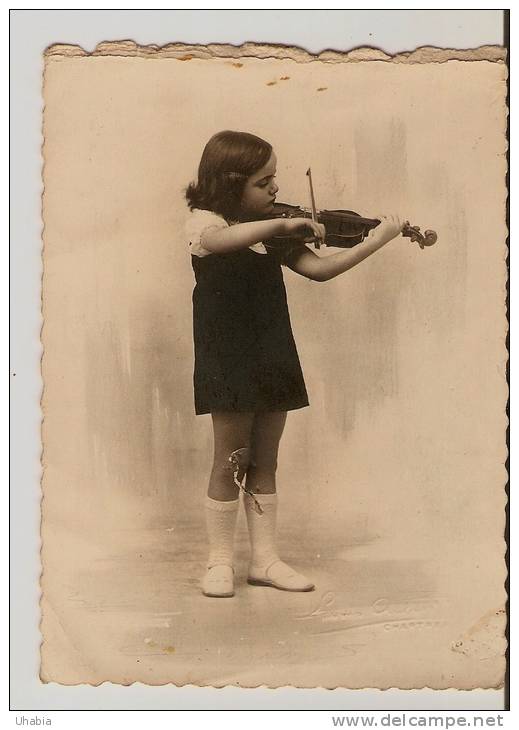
(398, 463)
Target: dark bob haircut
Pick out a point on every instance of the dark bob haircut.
(229, 158)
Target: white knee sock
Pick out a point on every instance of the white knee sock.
(262, 530)
(221, 526)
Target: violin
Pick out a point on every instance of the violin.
(344, 228)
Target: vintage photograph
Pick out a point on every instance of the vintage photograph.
(274, 366)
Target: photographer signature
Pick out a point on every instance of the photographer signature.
(393, 615)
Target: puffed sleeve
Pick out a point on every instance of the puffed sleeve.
(197, 223)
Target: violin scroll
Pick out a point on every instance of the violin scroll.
(426, 239)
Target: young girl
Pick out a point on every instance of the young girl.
(247, 372)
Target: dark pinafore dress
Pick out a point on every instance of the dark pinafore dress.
(245, 355)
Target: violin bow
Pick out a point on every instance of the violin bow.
(312, 203)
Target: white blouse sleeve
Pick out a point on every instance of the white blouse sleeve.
(198, 222)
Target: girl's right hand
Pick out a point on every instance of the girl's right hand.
(389, 227)
(304, 228)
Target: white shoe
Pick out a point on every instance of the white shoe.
(219, 582)
(280, 575)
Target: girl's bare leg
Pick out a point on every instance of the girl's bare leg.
(231, 433)
(266, 568)
(267, 430)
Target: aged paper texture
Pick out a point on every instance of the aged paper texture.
(391, 484)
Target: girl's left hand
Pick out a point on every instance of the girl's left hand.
(389, 227)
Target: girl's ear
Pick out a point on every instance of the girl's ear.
(233, 185)
(235, 176)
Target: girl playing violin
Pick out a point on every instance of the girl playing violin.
(247, 371)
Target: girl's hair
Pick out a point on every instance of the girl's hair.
(229, 158)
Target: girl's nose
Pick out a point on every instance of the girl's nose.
(274, 188)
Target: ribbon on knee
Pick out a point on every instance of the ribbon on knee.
(239, 460)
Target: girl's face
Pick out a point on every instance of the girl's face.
(259, 193)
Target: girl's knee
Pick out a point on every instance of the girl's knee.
(233, 462)
(264, 460)
(239, 461)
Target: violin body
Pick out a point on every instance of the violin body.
(344, 228)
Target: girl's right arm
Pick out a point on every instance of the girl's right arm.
(243, 235)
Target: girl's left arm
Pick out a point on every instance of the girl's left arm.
(323, 268)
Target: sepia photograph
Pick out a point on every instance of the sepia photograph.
(274, 366)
